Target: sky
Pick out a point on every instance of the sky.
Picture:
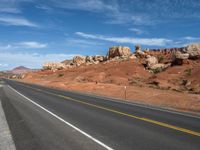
(36, 31)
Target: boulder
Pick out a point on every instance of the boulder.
(179, 58)
(179, 55)
(89, 59)
(53, 66)
(150, 61)
(78, 60)
(138, 52)
(118, 51)
(161, 66)
(132, 56)
(193, 50)
(138, 48)
(67, 62)
(98, 58)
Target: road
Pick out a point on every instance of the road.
(49, 119)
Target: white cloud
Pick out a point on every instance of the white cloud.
(32, 44)
(136, 30)
(12, 6)
(82, 42)
(31, 60)
(9, 6)
(143, 41)
(86, 5)
(9, 10)
(3, 65)
(16, 21)
(23, 45)
(111, 10)
(191, 38)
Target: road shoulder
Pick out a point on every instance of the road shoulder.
(6, 141)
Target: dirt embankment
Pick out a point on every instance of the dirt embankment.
(173, 88)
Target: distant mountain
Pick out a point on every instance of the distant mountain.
(20, 70)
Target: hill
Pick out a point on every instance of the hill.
(20, 70)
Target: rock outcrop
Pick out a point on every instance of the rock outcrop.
(53, 66)
(98, 58)
(78, 60)
(193, 50)
(138, 52)
(118, 51)
(179, 58)
(150, 61)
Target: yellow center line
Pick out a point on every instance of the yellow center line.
(122, 113)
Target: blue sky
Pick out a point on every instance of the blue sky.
(36, 31)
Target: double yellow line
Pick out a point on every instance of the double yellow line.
(122, 113)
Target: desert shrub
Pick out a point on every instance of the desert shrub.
(188, 71)
(160, 58)
(60, 74)
(156, 70)
(195, 92)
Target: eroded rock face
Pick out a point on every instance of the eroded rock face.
(193, 50)
(118, 51)
(78, 60)
(53, 66)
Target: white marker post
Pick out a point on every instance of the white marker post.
(125, 92)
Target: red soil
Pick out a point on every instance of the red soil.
(109, 80)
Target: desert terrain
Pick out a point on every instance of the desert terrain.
(162, 78)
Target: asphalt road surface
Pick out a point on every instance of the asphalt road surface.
(42, 118)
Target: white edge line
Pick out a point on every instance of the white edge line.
(62, 120)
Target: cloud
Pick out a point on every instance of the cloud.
(16, 21)
(23, 45)
(9, 6)
(191, 38)
(82, 42)
(31, 60)
(12, 6)
(111, 10)
(5, 47)
(10, 10)
(45, 8)
(129, 40)
(31, 44)
(137, 31)
(86, 5)
(3, 65)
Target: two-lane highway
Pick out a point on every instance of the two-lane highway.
(45, 118)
